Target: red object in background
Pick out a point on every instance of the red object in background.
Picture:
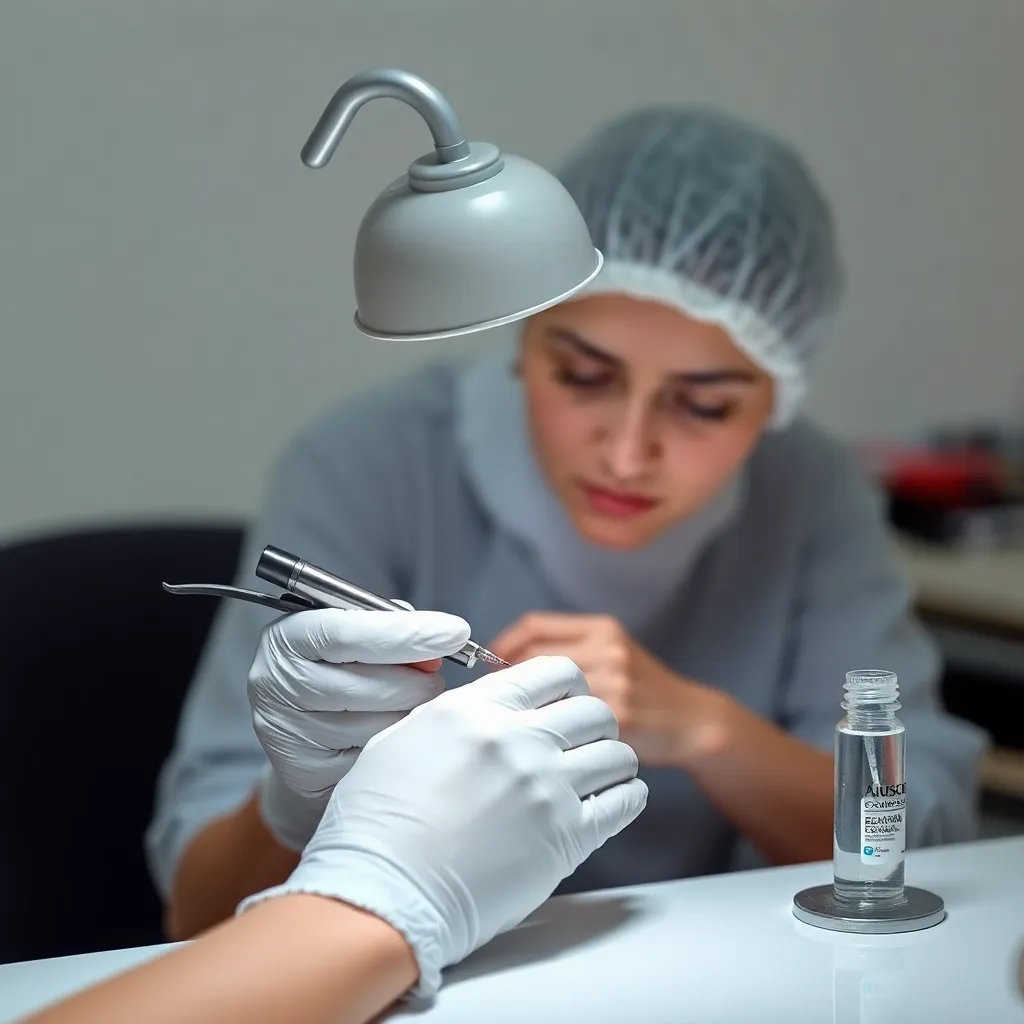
(950, 478)
(959, 496)
(953, 479)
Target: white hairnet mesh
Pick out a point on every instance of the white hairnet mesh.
(698, 209)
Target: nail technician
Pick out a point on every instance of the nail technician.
(519, 778)
(623, 479)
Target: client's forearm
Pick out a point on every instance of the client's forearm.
(775, 789)
(301, 959)
(232, 858)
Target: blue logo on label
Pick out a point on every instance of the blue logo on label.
(869, 851)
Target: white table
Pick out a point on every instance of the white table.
(719, 950)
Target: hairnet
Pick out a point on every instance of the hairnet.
(701, 211)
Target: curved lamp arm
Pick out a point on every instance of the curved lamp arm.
(386, 83)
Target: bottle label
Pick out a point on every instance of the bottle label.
(883, 825)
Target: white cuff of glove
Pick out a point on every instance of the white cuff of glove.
(290, 819)
(372, 882)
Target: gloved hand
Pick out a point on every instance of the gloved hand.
(322, 684)
(458, 821)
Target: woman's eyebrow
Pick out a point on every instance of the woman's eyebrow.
(725, 375)
(584, 347)
(717, 377)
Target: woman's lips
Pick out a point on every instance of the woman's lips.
(616, 504)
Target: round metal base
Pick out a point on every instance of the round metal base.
(818, 906)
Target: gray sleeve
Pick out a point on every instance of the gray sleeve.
(853, 611)
(335, 501)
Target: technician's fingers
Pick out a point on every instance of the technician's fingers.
(423, 666)
(311, 775)
(531, 684)
(322, 687)
(577, 720)
(596, 766)
(321, 733)
(374, 638)
(607, 813)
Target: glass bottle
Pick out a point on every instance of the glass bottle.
(869, 836)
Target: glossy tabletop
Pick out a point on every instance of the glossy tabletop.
(719, 950)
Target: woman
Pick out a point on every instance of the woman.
(624, 480)
(368, 912)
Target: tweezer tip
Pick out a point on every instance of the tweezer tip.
(491, 659)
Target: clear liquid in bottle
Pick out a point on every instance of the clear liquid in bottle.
(869, 837)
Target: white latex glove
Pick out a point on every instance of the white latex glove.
(321, 685)
(461, 819)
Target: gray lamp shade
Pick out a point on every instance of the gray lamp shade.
(467, 239)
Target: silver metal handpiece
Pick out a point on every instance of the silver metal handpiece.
(323, 588)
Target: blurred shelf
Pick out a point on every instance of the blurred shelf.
(1003, 772)
(974, 603)
(982, 591)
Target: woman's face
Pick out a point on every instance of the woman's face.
(638, 413)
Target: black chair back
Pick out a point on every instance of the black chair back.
(95, 660)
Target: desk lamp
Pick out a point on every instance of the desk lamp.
(467, 239)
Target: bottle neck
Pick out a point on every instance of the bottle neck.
(872, 716)
(871, 701)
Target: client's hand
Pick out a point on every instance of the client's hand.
(662, 715)
(461, 819)
(322, 684)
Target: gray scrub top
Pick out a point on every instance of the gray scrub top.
(795, 589)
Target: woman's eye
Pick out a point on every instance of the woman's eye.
(712, 413)
(578, 379)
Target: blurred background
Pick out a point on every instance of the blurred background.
(175, 287)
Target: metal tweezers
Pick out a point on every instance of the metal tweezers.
(286, 602)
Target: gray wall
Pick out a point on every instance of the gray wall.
(174, 285)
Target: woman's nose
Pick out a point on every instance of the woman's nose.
(631, 444)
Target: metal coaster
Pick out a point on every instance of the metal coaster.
(819, 907)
